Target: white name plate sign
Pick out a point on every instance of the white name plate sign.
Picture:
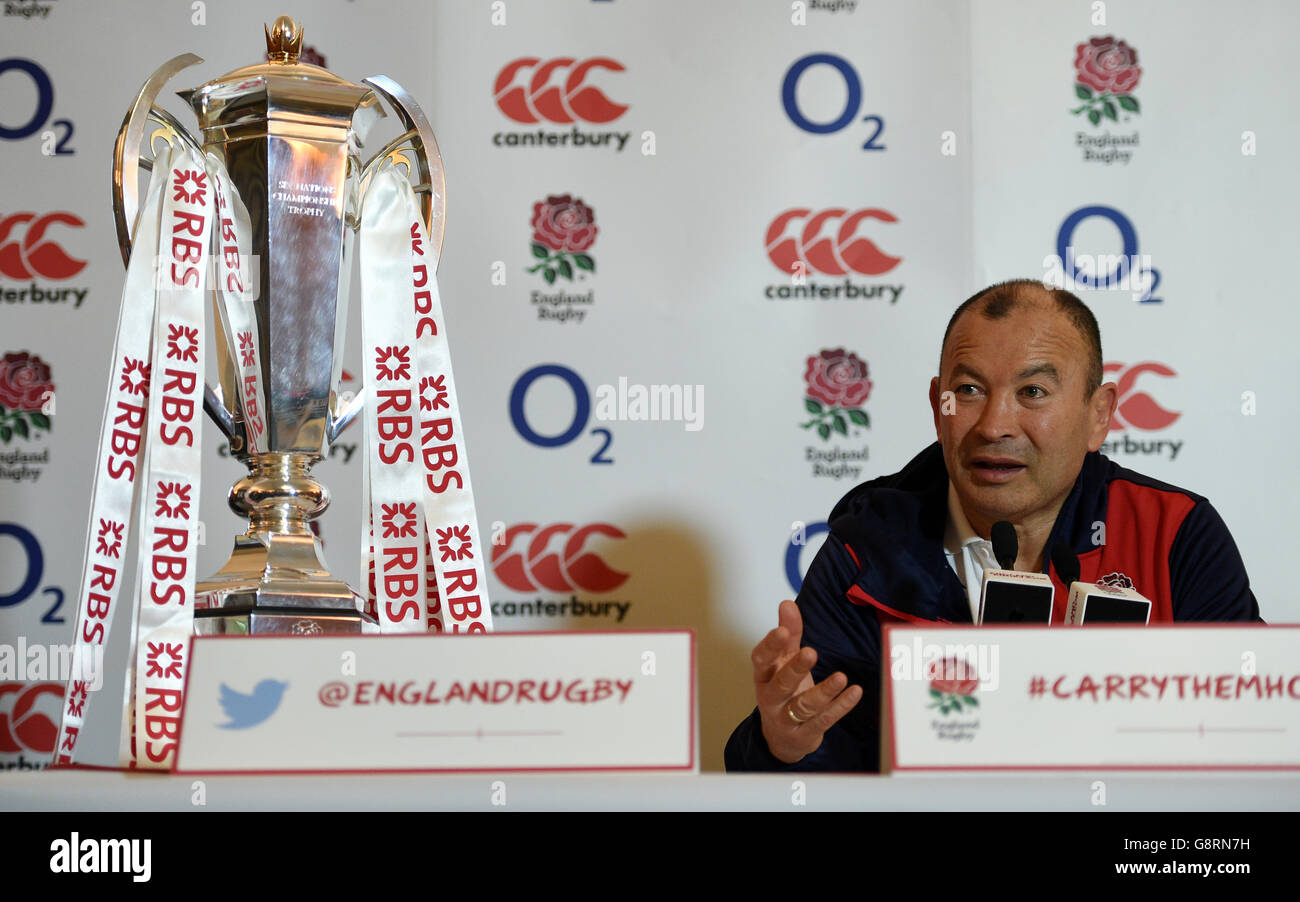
(1052, 698)
(504, 701)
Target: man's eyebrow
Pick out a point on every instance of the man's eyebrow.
(962, 369)
(1045, 369)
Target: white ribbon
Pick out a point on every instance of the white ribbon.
(121, 446)
(392, 411)
(401, 289)
(233, 297)
(151, 429)
(170, 493)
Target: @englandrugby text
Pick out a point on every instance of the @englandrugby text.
(491, 692)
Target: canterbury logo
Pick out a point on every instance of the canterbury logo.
(26, 254)
(571, 570)
(799, 241)
(535, 99)
(25, 726)
(1137, 409)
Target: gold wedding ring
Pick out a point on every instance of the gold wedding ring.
(789, 709)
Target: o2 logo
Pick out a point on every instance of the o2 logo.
(41, 114)
(581, 411)
(32, 572)
(1128, 269)
(852, 104)
(798, 541)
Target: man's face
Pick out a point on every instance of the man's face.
(1019, 420)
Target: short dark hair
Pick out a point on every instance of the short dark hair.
(1000, 300)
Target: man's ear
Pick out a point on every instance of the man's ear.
(936, 407)
(1101, 408)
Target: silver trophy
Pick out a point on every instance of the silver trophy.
(289, 134)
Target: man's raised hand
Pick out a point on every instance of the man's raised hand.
(796, 713)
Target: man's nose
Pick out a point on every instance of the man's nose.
(998, 418)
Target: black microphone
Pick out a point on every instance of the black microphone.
(1006, 546)
(1066, 563)
(1009, 595)
(1094, 603)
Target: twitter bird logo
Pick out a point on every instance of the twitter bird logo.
(247, 711)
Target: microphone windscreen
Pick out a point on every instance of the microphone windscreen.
(1066, 563)
(1005, 544)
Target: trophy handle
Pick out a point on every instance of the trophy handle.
(126, 151)
(126, 195)
(343, 418)
(431, 190)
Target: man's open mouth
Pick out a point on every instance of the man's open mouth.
(996, 467)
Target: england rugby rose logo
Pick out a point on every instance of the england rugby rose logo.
(313, 56)
(836, 388)
(564, 229)
(953, 682)
(25, 390)
(1106, 72)
(1116, 580)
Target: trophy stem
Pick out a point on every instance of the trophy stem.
(279, 496)
(275, 580)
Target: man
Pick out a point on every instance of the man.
(1020, 412)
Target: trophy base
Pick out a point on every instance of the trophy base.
(277, 585)
(249, 620)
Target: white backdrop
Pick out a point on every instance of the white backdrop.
(974, 163)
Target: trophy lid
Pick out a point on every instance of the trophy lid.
(283, 82)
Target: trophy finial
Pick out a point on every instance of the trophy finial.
(283, 40)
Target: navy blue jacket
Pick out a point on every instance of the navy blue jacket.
(1172, 545)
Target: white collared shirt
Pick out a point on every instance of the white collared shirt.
(968, 554)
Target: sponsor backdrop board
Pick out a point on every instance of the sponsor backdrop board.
(661, 241)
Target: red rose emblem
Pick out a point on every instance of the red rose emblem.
(1116, 580)
(313, 56)
(24, 382)
(564, 224)
(953, 676)
(838, 378)
(1107, 65)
